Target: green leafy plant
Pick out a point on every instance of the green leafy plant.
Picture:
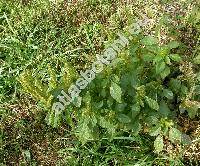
(142, 91)
(146, 89)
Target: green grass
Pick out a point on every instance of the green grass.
(35, 33)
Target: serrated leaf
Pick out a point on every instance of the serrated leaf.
(120, 107)
(135, 110)
(124, 118)
(149, 40)
(185, 139)
(174, 135)
(133, 49)
(175, 57)
(103, 93)
(152, 103)
(104, 123)
(116, 92)
(184, 90)
(148, 57)
(168, 93)
(99, 105)
(163, 51)
(151, 120)
(160, 66)
(93, 120)
(104, 83)
(192, 110)
(158, 144)
(83, 132)
(157, 59)
(154, 131)
(135, 127)
(175, 84)
(153, 48)
(164, 109)
(173, 44)
(110, 101)
(165, 72)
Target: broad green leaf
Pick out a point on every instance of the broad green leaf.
(153, 48)
(168, 93)
(163, 51)
(151, 120)
(197, 59)
(87, 98)
(160, 66)
(165, 72)
(149, 40)
(155, 130)
(152, 103)
(148, 57)
(116, 92)
(110, 101)
(173, 44)
(135, 110)
(103, 92)
(185, 139)
(135, 59)
(93, 120)
(107, 124)
(157, 59)
(124, 118)
(167, 60)
(104, 83)
(125, 80)
(164, 109)
(111, 132)
(192, 110)
(99, 105)
(165, 130)
(135, 81)
(158, 144)
(174, 135)
(175, 57)
(184, 90)
(83, 132)
(141, 102)
(120, 107)
(104, 123)
(175, 84)
(133, 49)
(135, 126)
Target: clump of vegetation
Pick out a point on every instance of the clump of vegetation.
(130, 113)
